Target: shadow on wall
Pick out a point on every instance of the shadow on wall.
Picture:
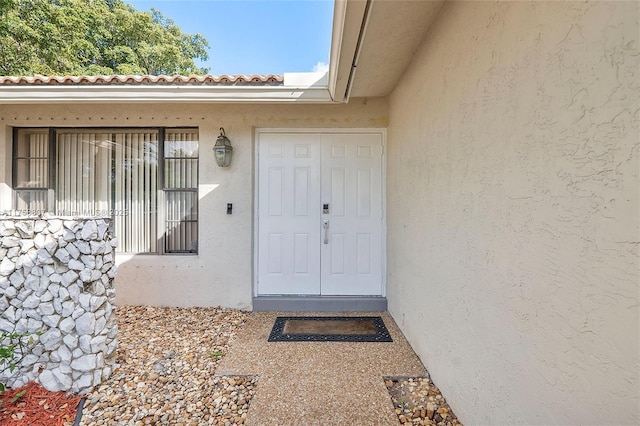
(175, 267)
(174, 244)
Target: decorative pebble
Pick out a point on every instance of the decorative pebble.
(167, 360)
(419, 402)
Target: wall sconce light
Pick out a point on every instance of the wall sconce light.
(223, 149)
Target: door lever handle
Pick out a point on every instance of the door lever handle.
(325, 226)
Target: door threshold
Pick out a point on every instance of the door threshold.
(320, 303)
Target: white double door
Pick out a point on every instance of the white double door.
(320, 214)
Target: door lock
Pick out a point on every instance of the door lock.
(325, 209)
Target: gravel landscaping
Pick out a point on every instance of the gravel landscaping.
(167, 360)
(418, 401)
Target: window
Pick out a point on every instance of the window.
(181, 191)
(31, 170)
(145, 179)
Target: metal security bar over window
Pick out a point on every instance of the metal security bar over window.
(31, 171)
(181, 191)
(114, 172)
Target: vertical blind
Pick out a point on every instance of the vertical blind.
(111, 174)
(136, 191)
(82, 172)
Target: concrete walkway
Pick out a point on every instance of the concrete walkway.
(319, 383)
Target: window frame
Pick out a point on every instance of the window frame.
(165, 190)
(46, 190)
(15, 157)
(161, 222)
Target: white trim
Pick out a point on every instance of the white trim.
(256, 213)
(256, 145)
(356, 54)
(349, 17)
(26, 94)
(384, 212)
(321, 130)
(339, 13)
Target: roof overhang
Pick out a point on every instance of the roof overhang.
(296, 87)
(349, 22)
(372, 43)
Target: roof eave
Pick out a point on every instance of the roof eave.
(26, 94)
(349, 24)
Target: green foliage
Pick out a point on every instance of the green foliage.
(13, 347)
(93, 37)
(18, 396)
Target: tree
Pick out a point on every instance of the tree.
(93, 37)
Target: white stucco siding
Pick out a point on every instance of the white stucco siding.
(221, 274)
(513, 210)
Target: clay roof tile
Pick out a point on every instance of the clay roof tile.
(249, 80)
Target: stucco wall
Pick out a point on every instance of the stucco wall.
(513, 210)
(221, 274)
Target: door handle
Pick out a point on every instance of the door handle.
(325, 226)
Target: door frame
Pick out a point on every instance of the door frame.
(256, 164)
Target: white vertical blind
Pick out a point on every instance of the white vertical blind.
(136, 190)
(102, 189)
(111, 174)
(82, 173)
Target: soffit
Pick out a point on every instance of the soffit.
(393, 32)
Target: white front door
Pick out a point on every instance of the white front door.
(303, 248)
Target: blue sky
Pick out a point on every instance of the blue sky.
(255, 36)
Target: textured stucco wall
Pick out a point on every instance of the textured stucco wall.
(513, 210)
(221, 274)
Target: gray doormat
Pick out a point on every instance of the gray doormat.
(329, 329)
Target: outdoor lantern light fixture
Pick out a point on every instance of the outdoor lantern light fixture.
(223, 149)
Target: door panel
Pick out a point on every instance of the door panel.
(289, 217)
(298, 173)
(352, 185)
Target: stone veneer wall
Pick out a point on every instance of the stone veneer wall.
(56, 278)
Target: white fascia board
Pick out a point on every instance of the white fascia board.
(339, 13)
(41, 94)
(348, 19)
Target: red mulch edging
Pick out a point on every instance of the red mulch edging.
(38, 407)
